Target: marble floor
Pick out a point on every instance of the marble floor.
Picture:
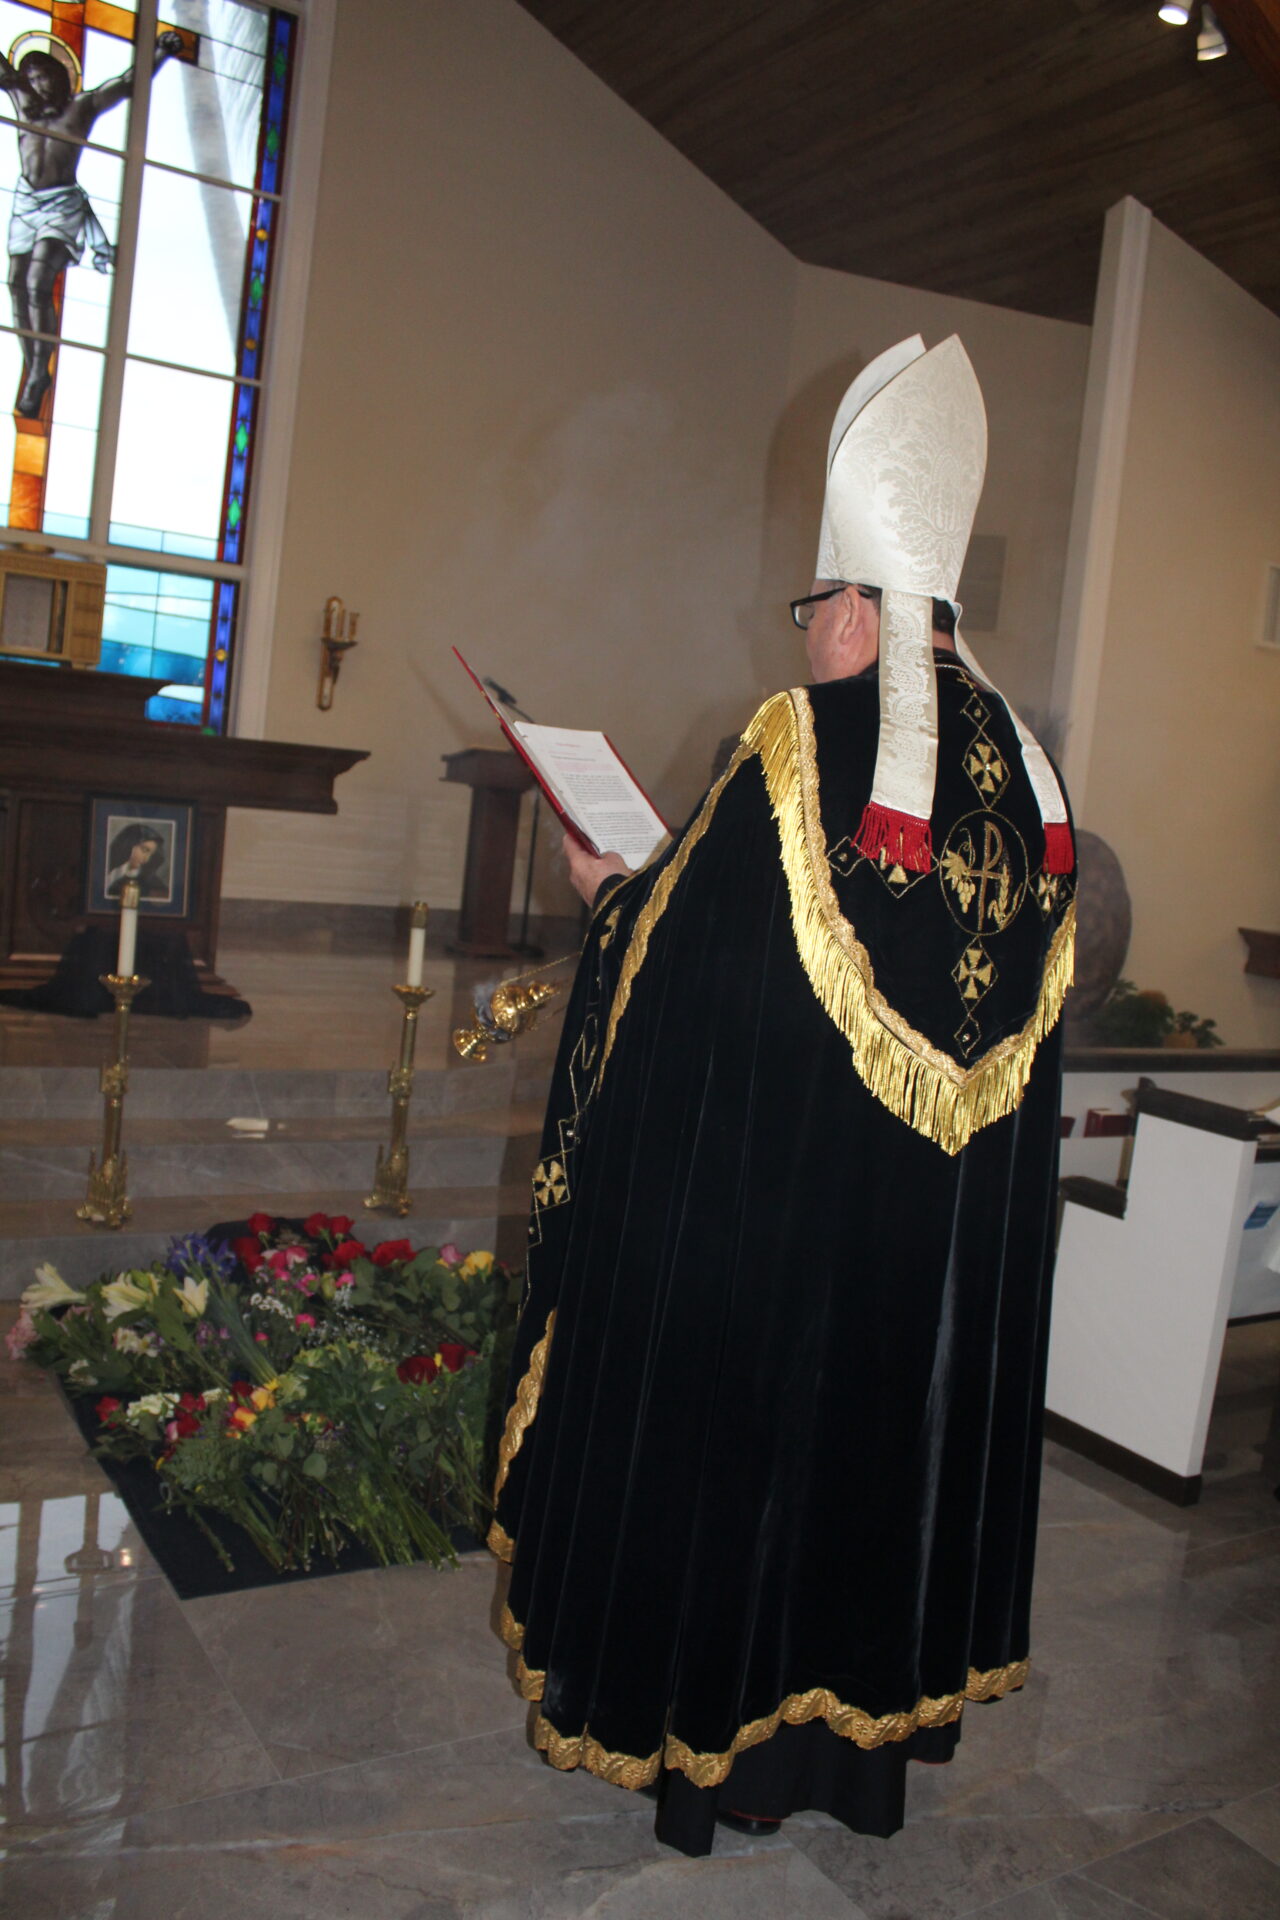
(352, 1746)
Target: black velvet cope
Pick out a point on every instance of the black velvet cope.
(778, 1463)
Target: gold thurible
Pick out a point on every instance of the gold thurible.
(513, 1010)
(391, 1173)
(106, 1201)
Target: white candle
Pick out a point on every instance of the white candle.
(417, 943)
(128, 929)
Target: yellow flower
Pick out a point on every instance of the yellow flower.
(263, 1397)
(476, 1265)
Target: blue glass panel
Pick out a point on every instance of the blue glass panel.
(133, 626)
(186, 635)
(116, 658)
(184, 712)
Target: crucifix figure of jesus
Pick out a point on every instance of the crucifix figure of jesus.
(52, 217)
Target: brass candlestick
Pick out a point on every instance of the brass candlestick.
(391, 1174)
(106, 1203)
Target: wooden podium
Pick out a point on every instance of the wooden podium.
(497, 777)
(66, 736)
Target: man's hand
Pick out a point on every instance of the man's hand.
(587, 870)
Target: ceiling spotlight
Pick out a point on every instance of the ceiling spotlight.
(1210, 43)
(1176, 12)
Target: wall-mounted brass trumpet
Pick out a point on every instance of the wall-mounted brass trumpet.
(511, 1009)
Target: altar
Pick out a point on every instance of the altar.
(90, 786)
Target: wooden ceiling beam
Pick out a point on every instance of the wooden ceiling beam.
(1253, 28)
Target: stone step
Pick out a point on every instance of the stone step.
(491, 1217)
(271, 1167)
(224, 1092)
(85, 1130)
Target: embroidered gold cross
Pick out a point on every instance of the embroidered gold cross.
(986, 768)
(974, 974)
(550, 1184)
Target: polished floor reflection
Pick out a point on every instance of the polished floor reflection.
(352, 1747)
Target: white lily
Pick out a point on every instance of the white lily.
(129, 1340)
(194, 1296)
(123, 1295)
(161, 1405)
(49, 1289)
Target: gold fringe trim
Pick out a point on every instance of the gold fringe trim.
(819, 1703)
(520, 1413)
(923, 1086)
(500, 1543)
(656, 905)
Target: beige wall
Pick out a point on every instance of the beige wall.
(1183, 771)
(565, 405)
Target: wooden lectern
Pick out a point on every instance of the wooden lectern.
(497, 778)
(66, 736)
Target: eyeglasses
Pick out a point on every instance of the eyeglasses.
(802, 610)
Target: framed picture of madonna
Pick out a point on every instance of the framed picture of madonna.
(149, 841)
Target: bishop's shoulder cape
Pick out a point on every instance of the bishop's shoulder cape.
(773, 1439)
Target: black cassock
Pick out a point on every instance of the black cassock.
(769, 1472)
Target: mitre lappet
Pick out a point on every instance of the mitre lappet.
(905, 467)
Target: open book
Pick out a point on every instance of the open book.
(586, 781)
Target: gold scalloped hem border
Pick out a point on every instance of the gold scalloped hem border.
(916, 1081)
(520, 1414)
(500, 1543)
(566, 1752)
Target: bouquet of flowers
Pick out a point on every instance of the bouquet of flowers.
(309, 1388)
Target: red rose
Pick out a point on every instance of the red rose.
(241, 1392)
(278, 1261)
(389, 1251)
(345, 1253)
(421, 1367)
(261, 1223)
(454, 1355)
(341, 1224)
(184, 1425)
(248, 1253)
(105, 1407)
(317, 1223)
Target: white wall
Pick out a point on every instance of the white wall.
(1177, 764)
(564, 404)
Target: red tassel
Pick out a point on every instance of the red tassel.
(1059, 853)
(903, 838)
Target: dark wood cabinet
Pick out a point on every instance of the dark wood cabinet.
(67, 735)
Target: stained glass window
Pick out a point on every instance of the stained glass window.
(144, 202)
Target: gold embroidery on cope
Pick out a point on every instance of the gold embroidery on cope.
(658, 901)
(923, 1086)
(522, 1409)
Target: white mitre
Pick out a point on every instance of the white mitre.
(904, 479)
(905, 467)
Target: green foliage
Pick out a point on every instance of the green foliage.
(311, 1401)
(1142, 1017)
